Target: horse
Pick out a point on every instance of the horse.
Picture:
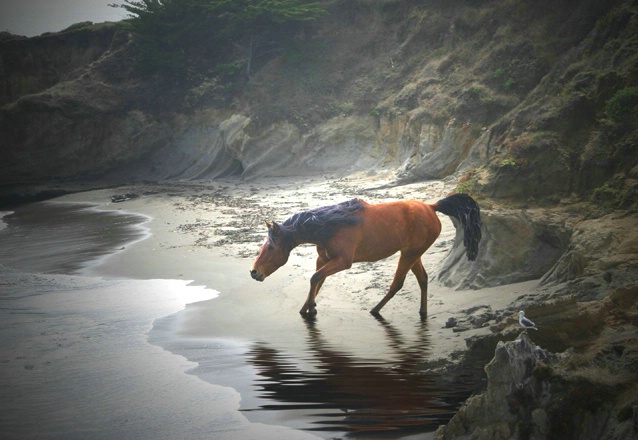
(357, 231)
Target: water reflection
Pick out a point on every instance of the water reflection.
(389, 398)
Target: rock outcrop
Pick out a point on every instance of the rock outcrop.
(517, 245)
(605, 247)
(554, 245)
(513, 396)
(534, 394)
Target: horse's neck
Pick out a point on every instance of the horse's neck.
(293, 240)
(299, 241)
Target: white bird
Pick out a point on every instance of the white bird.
(524, 322)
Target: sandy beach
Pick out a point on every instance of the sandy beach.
(165, 335)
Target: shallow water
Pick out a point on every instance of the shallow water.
(318, 376)
(75, 362)
(351, 393)
(52, 237)
(322, 376)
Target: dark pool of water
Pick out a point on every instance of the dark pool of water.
(52, 237)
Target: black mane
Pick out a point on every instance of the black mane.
(320, 224)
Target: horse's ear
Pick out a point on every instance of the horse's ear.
(275, 229)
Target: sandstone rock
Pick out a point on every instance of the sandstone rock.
(441, 151)
(534, 394)
(517, 245)
(513, 393)
(598, 247)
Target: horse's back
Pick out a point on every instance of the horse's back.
(409, 226)
(406, 217)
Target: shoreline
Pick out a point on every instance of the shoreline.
(204, 235)
(76, 362)
(190, 239)
(75, 355)
(210, 232)
(66, 237)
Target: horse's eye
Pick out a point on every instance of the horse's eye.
(271, 247)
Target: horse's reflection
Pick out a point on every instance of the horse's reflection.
(358, 395)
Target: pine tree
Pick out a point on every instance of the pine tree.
(172, 34)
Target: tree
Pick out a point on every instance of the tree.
(172, 34)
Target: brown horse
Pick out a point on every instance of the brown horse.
(357, 231)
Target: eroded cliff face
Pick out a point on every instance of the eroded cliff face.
(101, 121)
(81, 125)
(425, 91)
(32, 65)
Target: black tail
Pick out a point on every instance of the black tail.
(464, 208)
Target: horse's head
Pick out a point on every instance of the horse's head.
(273, 254)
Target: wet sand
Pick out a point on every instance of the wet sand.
(256, 368)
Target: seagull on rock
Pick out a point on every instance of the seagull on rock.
(524, 322)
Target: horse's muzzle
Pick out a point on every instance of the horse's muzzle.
(257, 276)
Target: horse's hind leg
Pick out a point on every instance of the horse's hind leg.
(422, 278)
(405, 263)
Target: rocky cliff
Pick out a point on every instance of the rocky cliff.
(505, 92)
(534, 394)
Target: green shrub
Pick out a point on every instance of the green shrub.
(609, 194)
(77, 26)
(508, 163)
(228, 71)
(467, 184)
(346, 107)
(509, 83)
(476, 91)
(622, 104)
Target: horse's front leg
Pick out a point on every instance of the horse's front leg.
(310, 306)
(321, 261)
(316, 281)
